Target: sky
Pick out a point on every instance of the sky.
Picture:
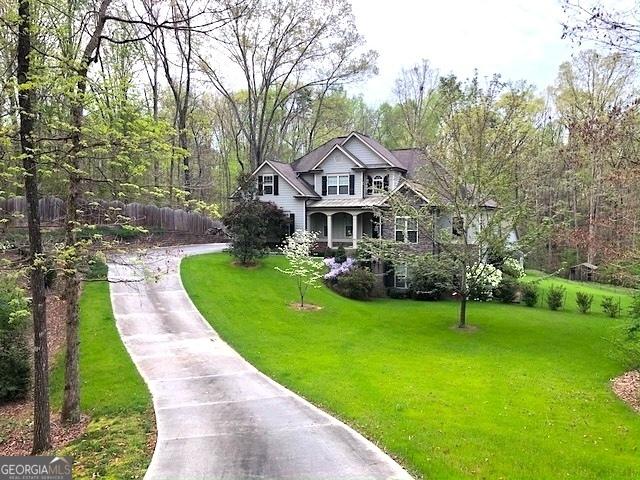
(520, 39)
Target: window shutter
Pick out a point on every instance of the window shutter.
(386, 183)
(292, 223)
(275, 184)
(324, 185)
(260, 185)
(352, 184)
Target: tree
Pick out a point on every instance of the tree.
(602, 24)
(41, 414)
(252, 223)
(307, 271)
(281, 49)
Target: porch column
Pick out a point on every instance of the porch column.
(354, 229)
(329, 231)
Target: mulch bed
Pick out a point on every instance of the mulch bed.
(308, 307)
(627, 387)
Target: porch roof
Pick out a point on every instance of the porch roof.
(366, 202)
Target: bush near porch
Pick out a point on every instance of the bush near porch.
(526, 395)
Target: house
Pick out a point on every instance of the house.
(337, 189)
(583, 272)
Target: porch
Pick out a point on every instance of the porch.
(343, 227)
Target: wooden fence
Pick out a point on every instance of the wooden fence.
(113, 212)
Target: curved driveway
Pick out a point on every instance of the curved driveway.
(217, 416)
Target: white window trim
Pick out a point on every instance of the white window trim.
(337, 186)
(264, 184)
(396, 273)
(404, 224)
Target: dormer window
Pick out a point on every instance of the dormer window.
(377, 184)
(267, 184)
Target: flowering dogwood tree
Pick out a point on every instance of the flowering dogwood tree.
(305, 270)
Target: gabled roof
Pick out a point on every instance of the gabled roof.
(411, 159)
(287, 172)
(376, 148)
(339, 147)
(306, 162)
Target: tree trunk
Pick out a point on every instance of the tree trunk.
(41, 414)
(71, 401)
(462, 318)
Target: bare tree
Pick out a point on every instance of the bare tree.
(280, 48)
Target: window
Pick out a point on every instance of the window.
(348, 231)
(457, 226)
(377, 184)
(337, 184)
(400, 276)
(406, 229)
(267, 184)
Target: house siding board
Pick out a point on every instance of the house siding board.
(286, 199)
(363, 152)
(335, 164)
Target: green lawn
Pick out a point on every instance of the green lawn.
(116, 443)
(524, 396)
(598, 290)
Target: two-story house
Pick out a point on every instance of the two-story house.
(335, 189)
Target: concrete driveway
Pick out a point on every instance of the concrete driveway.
(217, 416)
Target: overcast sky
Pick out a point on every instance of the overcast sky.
(519, 39)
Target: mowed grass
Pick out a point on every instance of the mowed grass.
(598, 290)
(116, 443)
(526, 395)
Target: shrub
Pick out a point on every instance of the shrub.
(530, 294)
(507, 291)
(398, 293)
(611, 307)
(512, 268)
(341, 254)
(482, 279)
(428, 280)
(634, 308)
(555, 297)
(337, 269)
(584, 301)
(359, 283)
(14, 352)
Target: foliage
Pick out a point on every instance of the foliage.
(359, 283)
(634, 308)
(429, 279)
(584, 301)
(336, 268)
(530, 294)
(512, 268)
(507, 291)
(15, 371)
(97, 268)
(517, 361)
(398, 293)
(252, 224)
(482, 279)
(341, 254)
(611, 307)
(306, 270)
(555, 296)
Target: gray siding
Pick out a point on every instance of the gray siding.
(335, 164)
(363, 153)
(286, 198)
